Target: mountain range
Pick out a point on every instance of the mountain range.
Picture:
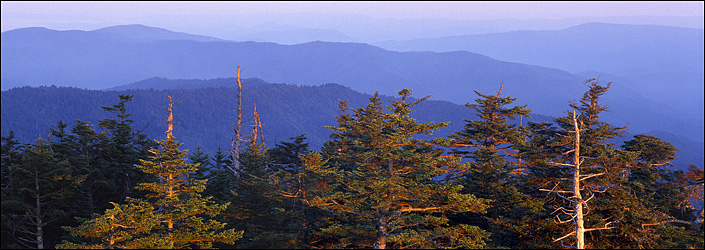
(109, 57)
(206, 115)
(660, 62)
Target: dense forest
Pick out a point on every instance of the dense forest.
(206, 117)
(382, 179)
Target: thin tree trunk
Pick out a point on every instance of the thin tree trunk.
(579, 223)
(383, 216)
(38, 214)
(382, 233)
(235, 146)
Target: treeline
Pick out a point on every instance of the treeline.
(207, 115)
(382, 180)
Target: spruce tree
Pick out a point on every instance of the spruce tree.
(385, 188)
(221, 180)
(660, 212)
(252, 200)
(581, 171)
(488, 143)
(292, 194)
(10, 158)
(124, 145)
(173, 214)
(82, 148)
(38, 193)
(203, 160)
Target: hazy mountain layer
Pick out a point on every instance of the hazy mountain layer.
(207, 113)
(100, 59)
(660, 62)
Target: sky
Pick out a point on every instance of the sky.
(92, 15)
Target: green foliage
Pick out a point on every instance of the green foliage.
(173, 214)
(38, 193)
(252, 201)
(203, 160)
(488, 144)
(378, 182)
(382, 180)
(221, 180)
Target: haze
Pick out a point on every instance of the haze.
(652, 51)
(359, 21)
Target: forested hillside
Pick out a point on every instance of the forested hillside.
(99, 59)
(384, 176)
(352, 146)
(207, 117)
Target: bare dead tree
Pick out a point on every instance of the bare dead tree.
(170, 120)
(576, 199)
(235, 142)
(257, 127)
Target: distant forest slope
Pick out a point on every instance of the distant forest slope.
(663, 63)
(110, 57)
(207, 112)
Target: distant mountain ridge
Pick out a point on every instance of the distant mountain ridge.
(101, 60)
(662, 62)
(146, 33)
(207, 112)
(297, 36)
(562, 48)
(159, 83)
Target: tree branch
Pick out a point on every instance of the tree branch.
(589, 176)
(410, 209)
(667, 221)
(564, 236)
(601, 228)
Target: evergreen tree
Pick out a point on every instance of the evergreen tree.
(38, 193)
(661, 215)
(488, 143)
(221, 181)
(82, 149)
(579, 153)
(385, 187)
(173, 215)
(292, 194)
(219, 159)
(123, 148)
(254, 198)
(203, 160)
(10, 158)
(537, 157)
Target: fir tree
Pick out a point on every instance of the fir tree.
(39, 193)
(488, 143)
(203, 160)
(581, 170)
(382, 184)
(173, 215)
(292, 194)
(123, 147)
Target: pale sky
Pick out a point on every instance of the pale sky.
(18, 14)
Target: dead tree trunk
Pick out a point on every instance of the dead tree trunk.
(235, 142)
(579, 222)
(257, 127)
(38, 214)
(576, 214)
